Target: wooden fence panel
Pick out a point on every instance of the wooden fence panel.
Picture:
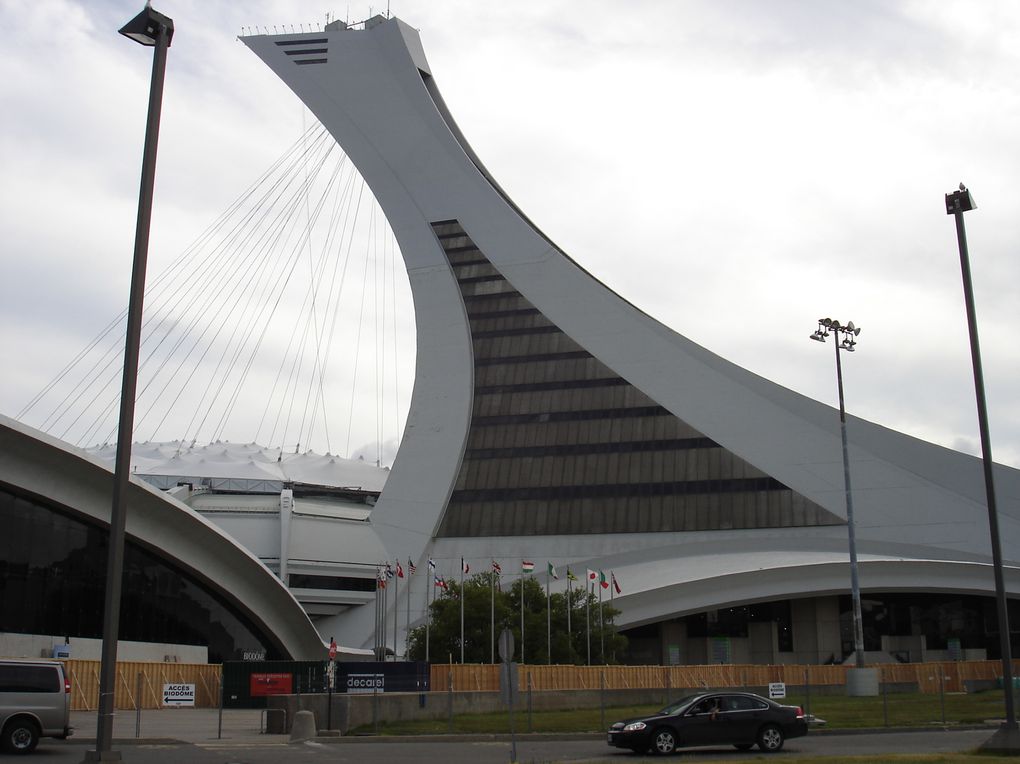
(84, 677)
(480, 677)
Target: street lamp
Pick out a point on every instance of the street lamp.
(846, 339)
(1008, 736)
(154, 30)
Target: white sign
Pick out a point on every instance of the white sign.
(178, 694)
(777, 690)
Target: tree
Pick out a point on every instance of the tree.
(479, 599)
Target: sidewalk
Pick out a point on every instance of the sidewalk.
(189, 725)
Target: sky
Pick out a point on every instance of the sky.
(735, 168)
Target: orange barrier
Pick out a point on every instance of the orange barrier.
(481, 677)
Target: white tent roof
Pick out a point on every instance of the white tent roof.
(248, 461)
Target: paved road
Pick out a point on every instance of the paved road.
(250, 750)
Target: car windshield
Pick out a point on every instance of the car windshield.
(680, 705)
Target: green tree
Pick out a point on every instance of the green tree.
(480, 597)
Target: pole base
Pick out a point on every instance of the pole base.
(96, 756)
(862, 682)
(1005, 740)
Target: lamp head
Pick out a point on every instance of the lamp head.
(144, 28)
(960, 201)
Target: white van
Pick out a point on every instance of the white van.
(35, 701)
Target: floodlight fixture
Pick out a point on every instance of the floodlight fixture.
(145, 27)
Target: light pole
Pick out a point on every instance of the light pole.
(845, 339)
(1008, 736)
(154, 30)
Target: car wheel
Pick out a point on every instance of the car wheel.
(770, 738)
(743, 746)
(663, 741)
(20, 736)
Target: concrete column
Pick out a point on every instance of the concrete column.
(286, 508)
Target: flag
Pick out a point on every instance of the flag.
(602, 580)
(400, 570)
(571, 576)
(616, 584)
(527, 567)
(592, 575)
(389, 570)
(381, 579)
(464, 567)
(440, 582)
(552, 572)
(411, 567)
(432, 564)
(497, 567)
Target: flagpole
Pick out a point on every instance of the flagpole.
(548, 619)
(522, 616)
(407, 630)
(375, 630)
(428, 612)
(385, 604)
(492, 616)
(602, 629)
(587, 618)
(570, 636)
(396, 609)
(462, 610)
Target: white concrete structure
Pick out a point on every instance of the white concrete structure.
(921, 520)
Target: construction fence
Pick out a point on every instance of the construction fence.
(141, 684)
(949, 676)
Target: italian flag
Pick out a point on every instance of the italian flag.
(602, 580)
(527, 567)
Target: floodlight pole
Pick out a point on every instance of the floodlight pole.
(150, 29)
(855, 585)
(847, 342)
(957, 203)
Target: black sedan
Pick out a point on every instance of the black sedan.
(740, 719)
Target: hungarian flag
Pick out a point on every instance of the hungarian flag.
(497, 567)
(592, 575)
(570, 575)
(602, 580)
(464, 567)
(412, 569)
(400, 570)
(616, 584)
(527, 567)
(552, 572)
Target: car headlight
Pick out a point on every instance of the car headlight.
(634, 727)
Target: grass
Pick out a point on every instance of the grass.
(840, 712)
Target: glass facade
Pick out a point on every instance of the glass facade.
(53, 578)
(559, 444)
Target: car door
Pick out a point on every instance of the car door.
(699, 726)
(746, 716)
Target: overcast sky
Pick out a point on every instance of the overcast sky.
(736, 168)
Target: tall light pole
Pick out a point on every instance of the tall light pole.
(846, 339)
(154, 30)
(1008, 736)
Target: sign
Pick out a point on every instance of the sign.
(253, 655)
(362, 683)
(178, 695)
(777, 690)
(332, 649)
(261, 685)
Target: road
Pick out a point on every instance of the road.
(371, 751)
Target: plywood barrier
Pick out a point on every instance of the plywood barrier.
(85, 683)
(948, 676)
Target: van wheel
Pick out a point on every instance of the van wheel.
(20, 736)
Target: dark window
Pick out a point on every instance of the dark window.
(305, 52)
(53, 576)
(319, 41)
(25, 678)
(302, 62)
(347, 583)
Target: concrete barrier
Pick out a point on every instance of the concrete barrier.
(303, 727)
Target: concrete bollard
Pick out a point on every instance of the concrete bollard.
(304, 727)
